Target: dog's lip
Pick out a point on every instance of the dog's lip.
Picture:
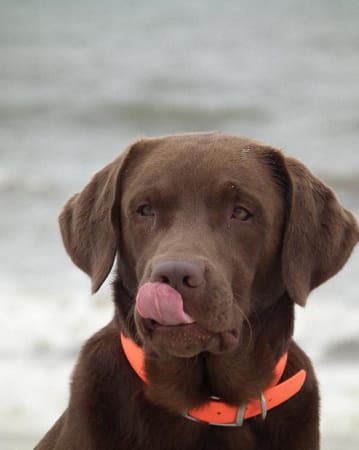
(177, 335)
(150, 325)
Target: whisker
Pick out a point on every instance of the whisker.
(247, 321)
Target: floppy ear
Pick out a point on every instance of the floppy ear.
(87, 223)
(320, 234)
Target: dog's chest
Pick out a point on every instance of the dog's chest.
(192, 436)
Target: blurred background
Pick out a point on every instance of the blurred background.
(79, 80)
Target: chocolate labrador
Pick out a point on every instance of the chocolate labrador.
(216, 238)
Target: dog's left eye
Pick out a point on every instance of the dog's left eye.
(240, 213)
(145, 210)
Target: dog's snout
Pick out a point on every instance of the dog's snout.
(178, 274)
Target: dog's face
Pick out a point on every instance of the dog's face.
(229, 223)
(208, 221)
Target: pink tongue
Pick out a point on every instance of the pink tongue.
(160, 302)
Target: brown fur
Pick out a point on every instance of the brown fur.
(255, 270)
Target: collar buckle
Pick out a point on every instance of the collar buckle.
(263, 403)
(240, 416)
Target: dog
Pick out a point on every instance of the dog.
(216, 239)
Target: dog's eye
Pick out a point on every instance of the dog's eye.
(240, 213)
(145, 210)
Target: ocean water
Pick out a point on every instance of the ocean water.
(79, 80)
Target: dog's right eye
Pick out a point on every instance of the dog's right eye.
(145, 210)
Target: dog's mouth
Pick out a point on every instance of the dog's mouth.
(185, 340)
(166, 328)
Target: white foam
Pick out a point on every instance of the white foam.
(38, 351)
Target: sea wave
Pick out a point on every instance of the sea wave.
(15, 182)
(112, 111)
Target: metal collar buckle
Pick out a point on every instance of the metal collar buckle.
(239, 417)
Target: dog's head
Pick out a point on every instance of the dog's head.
(208, 229)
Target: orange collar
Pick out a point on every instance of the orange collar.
(215, 412)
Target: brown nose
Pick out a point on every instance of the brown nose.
(182, 275)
